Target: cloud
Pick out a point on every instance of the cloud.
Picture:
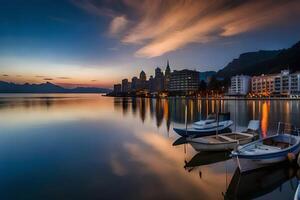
(63, 77)
(158, 27)
(5, 75)
(48, 79)
(39, 76)
(93, 80)
(117, 25)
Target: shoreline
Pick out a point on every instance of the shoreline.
(213, 98)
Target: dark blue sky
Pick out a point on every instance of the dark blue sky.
(100, 42)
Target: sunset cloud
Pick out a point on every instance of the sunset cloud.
(63, 77)
(118, 24)
(158, 27)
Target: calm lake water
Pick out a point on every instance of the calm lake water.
(74, 146)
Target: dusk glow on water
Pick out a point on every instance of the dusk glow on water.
(87, 146)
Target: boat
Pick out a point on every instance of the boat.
(226, 141)
(210, 126)
(266, 151)
(259, 182)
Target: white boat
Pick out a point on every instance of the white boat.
(226, 141)
(265, 152)
(207, 127)
(213, 120)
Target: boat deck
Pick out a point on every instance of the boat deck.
(228, 137)
(274, 143)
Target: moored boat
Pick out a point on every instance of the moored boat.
(226, 141)
(210, 126)
(266, 151)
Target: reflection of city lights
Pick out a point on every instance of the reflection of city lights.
(265, 118)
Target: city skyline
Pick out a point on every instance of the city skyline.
(97, 43)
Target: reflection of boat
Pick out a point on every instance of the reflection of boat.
(206, 158)
(263, 152)
(179, 141)
(225, 141)
(207, 127)
(258, 182)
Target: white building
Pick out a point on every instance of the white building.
(287, 84)
(240, 85)
(263, 84)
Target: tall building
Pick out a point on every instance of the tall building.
(167, 76)
(159, 80)
(134, 83)
(264, 84)
(117, 88)
(151, 84)
(240, 85)
(184, 81)
(125, 85)
(143, 76)
(142, 83)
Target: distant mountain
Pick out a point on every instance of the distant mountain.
(263, 62)
(47, 87)
(244, 64)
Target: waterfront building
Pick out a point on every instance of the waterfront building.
(159, 80)
(240, 85)
(287, 84)
(143, 76)
(125, 85)
(184, 81)
(263, 85)
(142, 83)
(167, 76)
(134, 83)
(117, 88)
(151, 84)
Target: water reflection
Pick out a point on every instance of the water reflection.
(173, 109)
(79, 146)
(261, 182)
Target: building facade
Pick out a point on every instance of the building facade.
(125, 85)
(240, 85)
(287, 84)
(263, 85)
(184, 81)
(117, 88)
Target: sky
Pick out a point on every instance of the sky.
(99, 42)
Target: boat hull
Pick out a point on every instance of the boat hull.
(248, 164)
(199, 133)
(217, 147)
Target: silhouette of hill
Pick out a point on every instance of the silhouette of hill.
(263, 62)
(47, 87)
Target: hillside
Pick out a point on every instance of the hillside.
(48, 87)
(263, 62)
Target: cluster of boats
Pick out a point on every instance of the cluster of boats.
(248, 150)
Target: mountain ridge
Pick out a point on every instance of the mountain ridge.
(47, 87)
(263, 62)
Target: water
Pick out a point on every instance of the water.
(74, 146)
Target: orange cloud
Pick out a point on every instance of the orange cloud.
(159, 27)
